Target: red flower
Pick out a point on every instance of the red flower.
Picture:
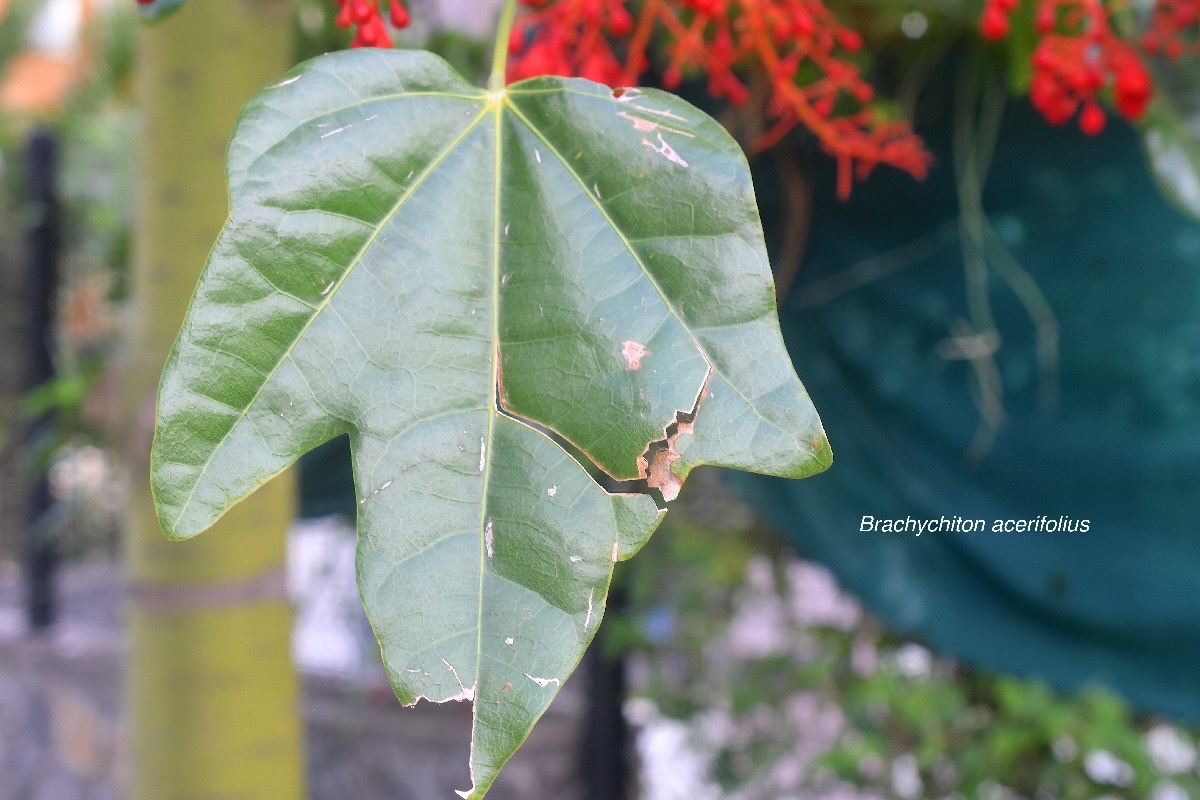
(366, 16)
(1080, 54)
(720, 39)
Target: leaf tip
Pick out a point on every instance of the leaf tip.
(179, 521)
(821, 455)
(637, 517)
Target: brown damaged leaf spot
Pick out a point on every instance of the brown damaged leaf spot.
(634, 352)
(661, 477)
(657, 463)
(642, 125)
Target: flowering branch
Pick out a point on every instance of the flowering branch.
(366, 18)
(1080, 61)
(799, 44)
(1080, 54)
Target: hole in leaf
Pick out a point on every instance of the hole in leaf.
(655, 462)
(660, 456)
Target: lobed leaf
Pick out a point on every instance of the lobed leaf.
(444, 273)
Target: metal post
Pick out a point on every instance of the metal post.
(606, 735)
(41, 202)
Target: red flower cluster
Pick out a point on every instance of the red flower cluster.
(1079, 55)
(994, 24)
(366, 17)
(1174, 29)
(570, 39)
(799, 45)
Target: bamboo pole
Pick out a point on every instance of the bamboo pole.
(213, 697)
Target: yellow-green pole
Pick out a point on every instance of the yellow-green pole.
(213, 697)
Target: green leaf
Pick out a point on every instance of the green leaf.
(1171, 135)
(443, 273)
(158, 9)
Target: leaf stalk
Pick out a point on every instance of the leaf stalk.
(508, 13)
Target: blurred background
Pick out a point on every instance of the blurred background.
(1016, 337)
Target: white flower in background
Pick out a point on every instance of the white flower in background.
(816, 599)
(864, 658)
(906, 777)
(1104, 767)
(1064, 748)
(56, 27)
(822, 721)
(991, 790)
(715, 728)
(1170, 751)
(760, 575)
(872, 766)
(88, 475)
(759, 627)
(914, 24)
(787, 774)
(673, 767)
(913, 661)
(1166, 790)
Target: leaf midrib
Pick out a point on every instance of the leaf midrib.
(489, 454)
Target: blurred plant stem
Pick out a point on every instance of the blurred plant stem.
(212, 691)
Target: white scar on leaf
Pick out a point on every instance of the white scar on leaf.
(542, 682)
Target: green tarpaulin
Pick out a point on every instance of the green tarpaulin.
(1118, 605)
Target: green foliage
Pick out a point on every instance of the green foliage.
(444, 273)
(829, 700)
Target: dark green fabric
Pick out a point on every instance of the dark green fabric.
(1118, 605)
(327, 481)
